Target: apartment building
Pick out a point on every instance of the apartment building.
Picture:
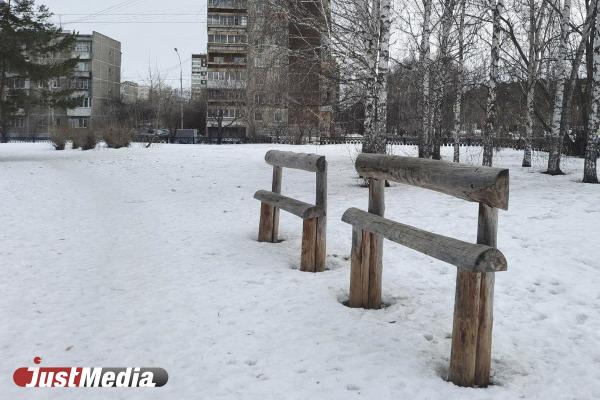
(266, 75)
(96, 80)
(199, 75)
(129, 92)
(226, 68)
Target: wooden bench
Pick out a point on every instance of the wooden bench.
(314, 215)
(477, 263)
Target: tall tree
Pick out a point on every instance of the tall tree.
(29, 45)
(457, 108)
(491, 125)
(561, 76)
(593, 139)
(425, 59)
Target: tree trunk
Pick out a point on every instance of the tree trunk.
(461, 82)
(425, 68)
(531, 82)
(591, 150)
(378, 64)
(490, 131)
(556, 140)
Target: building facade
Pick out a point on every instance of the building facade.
(226, 68)
(199, 76)
(267, 74)
(96, 80)
(130, 92)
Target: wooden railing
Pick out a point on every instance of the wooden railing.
(314, 216)
(477, 263)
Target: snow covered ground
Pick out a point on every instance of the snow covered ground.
(148, 257)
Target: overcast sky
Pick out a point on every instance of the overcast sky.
(145, 39)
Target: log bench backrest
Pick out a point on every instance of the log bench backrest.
(486, 185)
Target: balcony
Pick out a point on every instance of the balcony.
(227, 4)
(80, 112)
(82, 74)
(212, 84)
(83, 55)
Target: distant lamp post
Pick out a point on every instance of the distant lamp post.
(181, 85)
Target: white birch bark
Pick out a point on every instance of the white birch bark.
(461, 82)
(593, 141)
(371, 38)
(442, 85)
(489, 133)
(385, 30)
(425, 67)
(561, 75)
(378, 46)
(531, 82)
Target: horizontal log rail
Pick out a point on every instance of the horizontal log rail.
(467, 256)
(304, 161)
(477, 184)
(293, 206)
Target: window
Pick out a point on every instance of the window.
(55, 83)
(78, 123)
(19, 122)
(82, 47)
(87, 102)
(278, 116)
(258, 116)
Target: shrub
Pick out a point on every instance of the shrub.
(59, 137)
(117, 137)
(85, 139)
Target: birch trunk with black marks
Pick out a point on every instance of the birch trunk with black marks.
(491, 128)
(556, 140)
(425, 60)
(593, 141)
(461, 82)
(531, 81)
(377, 43)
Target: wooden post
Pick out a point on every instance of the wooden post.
(321, 239)
(265, 227)
(309, 236)
(470, 358)
(487, 233)
(367, 254)
(276, 188)
(359, 274)
(377, 207)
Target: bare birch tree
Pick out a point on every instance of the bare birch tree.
(491, 126)
(561, 76)
(425, 60)
(591, 151)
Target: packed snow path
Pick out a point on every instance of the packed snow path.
(147, 257)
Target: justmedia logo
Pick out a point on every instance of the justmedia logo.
(82, 377)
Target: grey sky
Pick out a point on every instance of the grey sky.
(176, 23)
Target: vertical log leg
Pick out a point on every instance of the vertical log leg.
(470, 361)
(375, 271)
(359, 273)
(465, 329)
(309, 238)
(377, 207)
(487, 233)
(265, 227)
(276, 188)
(321, 244)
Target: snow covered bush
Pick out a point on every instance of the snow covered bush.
(84, 139)
(59, 137)
(117, 137)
